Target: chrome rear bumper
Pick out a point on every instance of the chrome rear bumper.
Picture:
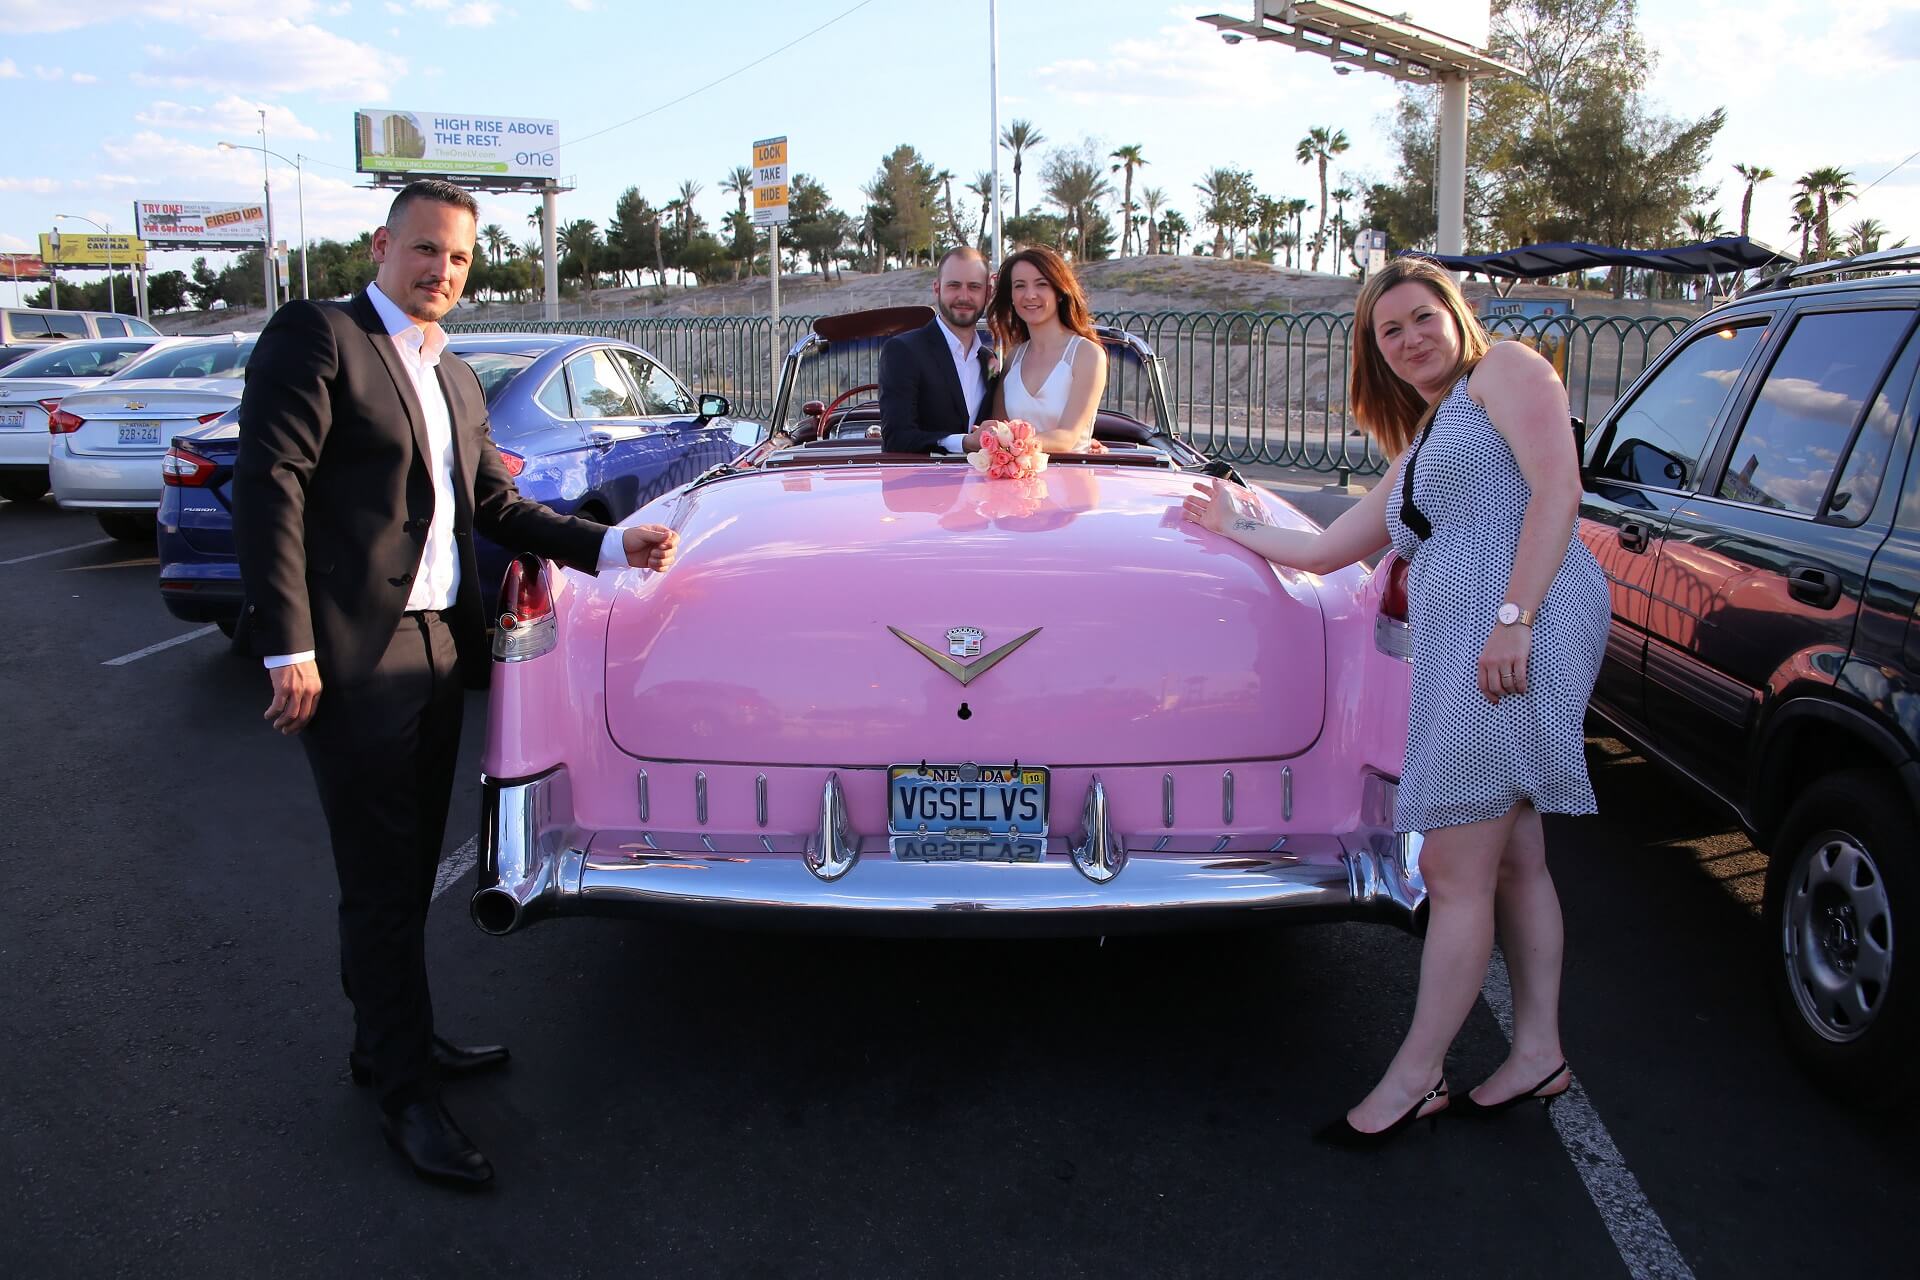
(534, 862)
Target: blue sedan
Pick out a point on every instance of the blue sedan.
(593, 427)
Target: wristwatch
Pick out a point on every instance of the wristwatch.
(1511, 613)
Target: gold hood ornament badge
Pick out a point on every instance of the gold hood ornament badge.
(965, 672)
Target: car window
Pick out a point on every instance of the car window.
(68, 326)
(1660, 437)
(1803, 417)
(495, 369)
(78, 360)
(659, 393)
(110, 327)
(553, 396)
(193, 360)
(28, 326)
(1861, 479)
(598, 389)
(141, 328)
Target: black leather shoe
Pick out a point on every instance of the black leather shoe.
(426, 1135)
(450, 1058)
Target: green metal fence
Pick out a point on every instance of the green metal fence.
(1262, 387)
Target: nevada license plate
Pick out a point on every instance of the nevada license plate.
(966, 801)
(945, 849)
(139, 433)
(12, 419)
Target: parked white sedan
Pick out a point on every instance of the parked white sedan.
(32, 387)
(107, 442)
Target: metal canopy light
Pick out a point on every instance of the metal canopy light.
(1354, 36)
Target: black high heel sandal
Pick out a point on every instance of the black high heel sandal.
(1339, 1132)
(1470, 1107)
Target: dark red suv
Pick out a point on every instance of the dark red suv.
(1755, 501)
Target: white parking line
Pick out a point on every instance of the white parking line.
(456, 865)
(1638, 1234)
(58, 551)
(152, 649)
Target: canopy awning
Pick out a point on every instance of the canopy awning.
(1532, 261)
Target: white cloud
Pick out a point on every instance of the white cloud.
(8, 71)
(49, 73)
(20, 17)
(37, 186)
(584, 6)
(276, 56)
(85, 77)
(397, 10)
(340, 10)
(478, 14)
(232, 117)
(14, 244)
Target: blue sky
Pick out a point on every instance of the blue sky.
(117, 100)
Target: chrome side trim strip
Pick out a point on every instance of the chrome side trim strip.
(700, 796)
(1166, 799)
(644, 804)
(1226, 797)
(1100, 854)
(1286, 794)
(760, 798)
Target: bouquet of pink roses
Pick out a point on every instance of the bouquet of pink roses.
(1008, 451)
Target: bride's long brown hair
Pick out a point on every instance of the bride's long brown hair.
(1386, 405)
(1009, 328)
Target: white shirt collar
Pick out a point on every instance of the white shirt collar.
(960, 350)
(404, 329)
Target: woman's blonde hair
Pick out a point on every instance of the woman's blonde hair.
(1386, 405)
(1070, 299)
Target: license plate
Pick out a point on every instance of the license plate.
(12, 419)
(942, 849)
(139, 433)
(966, 801)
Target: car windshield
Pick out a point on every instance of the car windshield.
(78, 360)
(495, 369)
(193, 360)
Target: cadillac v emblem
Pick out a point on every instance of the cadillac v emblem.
(964, 642)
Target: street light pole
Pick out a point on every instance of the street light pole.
(108, 229)
(269, 275)
(300, 191)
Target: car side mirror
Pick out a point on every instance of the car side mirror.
(712, 406)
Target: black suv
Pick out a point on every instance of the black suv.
(1755, 502)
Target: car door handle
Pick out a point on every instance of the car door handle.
(1816, 586)
(600, 439)
(1634, 534)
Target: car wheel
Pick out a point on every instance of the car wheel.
(1841, 887)
(227, 626)
(22, 488)
(128, 526)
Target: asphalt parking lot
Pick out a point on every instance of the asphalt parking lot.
(700, 1102)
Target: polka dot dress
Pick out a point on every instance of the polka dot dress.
(1468, 759)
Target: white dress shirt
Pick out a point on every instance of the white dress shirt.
(973, 379)
(436, 579)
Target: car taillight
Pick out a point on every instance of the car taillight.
(1393, 601)
(60, 422)
(49, 405)
(205, 418)
(515, 462)
(524, 626)
(1391, 633)
(182, 466)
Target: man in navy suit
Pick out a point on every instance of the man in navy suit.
(936, 382)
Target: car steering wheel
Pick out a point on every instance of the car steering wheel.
(827, 413)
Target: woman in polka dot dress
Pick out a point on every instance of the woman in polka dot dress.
(1509, 614)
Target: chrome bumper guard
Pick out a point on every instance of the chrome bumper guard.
(534, 862)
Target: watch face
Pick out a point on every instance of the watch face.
(1509, 613)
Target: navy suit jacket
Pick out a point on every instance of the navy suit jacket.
(920, 398)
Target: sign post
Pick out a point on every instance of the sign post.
(770, 211)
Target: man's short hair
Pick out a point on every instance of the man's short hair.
(436, 190)
(966, 253)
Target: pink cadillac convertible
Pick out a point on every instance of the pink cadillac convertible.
(883, 691)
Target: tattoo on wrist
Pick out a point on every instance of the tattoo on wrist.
(1243, 525)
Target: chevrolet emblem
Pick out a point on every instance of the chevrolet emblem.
(965, 673)
(136, 404)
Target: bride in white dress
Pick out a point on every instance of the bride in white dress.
(1056, 369)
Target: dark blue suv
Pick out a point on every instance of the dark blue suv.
(589, 426)
(1755, 501)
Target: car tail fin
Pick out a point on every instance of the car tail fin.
(524, 626)
(1392, 634)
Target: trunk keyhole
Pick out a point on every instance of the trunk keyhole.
(966, 712)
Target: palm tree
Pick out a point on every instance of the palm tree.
(1803, 222)
(1703, 225)
(982, 186)
(1019, 137)
(1288, 241)
(1298, 209)
(1321, 144)
(1216, 188)
(1151, 199)
(1267, 215)
(579, 239)
(1829, 188)
(1173, 227)
(1753, 175)
(945, 179)
(739, 182)
(1077, 186)
(1340, 197)
(1130, 157)
(1864, 236)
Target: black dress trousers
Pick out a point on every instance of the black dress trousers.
(383, 751)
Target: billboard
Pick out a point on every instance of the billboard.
(446, 144)
(68, 249)
(23, 266)
(200, 222)
(770, 182)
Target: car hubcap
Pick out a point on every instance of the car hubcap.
(1837, 937)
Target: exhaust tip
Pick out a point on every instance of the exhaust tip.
(496, 911)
